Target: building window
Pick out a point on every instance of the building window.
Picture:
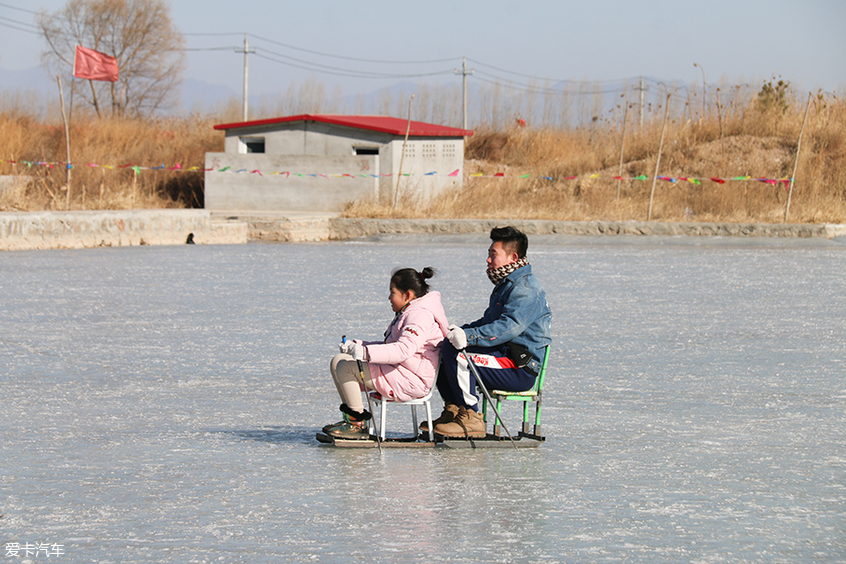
(449, 150)
(252, 145)
(409, 150)
(365, 150)
(429, 150)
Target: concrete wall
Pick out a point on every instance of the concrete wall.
(424, 155)
(306, 138)
(81, 229)
(246, 191)
(289, 227)
(321, 148)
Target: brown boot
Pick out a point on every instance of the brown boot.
(447, 415)
(467, 424)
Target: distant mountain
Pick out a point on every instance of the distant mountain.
(34, 79)
(197, 92)
(193, 93)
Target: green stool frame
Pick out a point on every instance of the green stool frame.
(532, 395)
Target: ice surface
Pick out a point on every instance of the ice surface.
(159, 404)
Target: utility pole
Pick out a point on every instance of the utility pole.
(246, 51)
(642, 89)
(464, 74)
(703, 91)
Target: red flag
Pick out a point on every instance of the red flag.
(94, 65)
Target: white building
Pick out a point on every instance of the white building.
(318, 162)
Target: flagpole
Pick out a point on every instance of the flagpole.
(67, 142)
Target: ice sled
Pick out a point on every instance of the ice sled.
(529, 435)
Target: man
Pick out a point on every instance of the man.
(506, 344)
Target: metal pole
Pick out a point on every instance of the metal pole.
(487, 395)
(622, 144)
(369, 403)
(67, 142)
(658, 162)
(796, 163)
(703, 91)
(402, 157)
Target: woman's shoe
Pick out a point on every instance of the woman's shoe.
(327, 428)
(348, 430)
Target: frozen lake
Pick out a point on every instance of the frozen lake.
(159, 404)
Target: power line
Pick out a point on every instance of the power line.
(353, 58)
(215, 34)
(360, 74)
(353, 74)
(16, 8)
(229, 48)
(506, 83)
(33, 30)
(537, 77)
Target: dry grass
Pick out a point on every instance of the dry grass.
(744, 143)
(114, 142)
(743, 140)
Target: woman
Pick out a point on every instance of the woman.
(403, 366)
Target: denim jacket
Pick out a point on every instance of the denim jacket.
(518, 312)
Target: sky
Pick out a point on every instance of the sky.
(363, 46)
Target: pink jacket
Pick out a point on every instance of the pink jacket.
(403, 367)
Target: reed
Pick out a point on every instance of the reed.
(740, 137)
(115, 145)
(749, 141)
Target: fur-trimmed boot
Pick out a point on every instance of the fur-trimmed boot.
(354, 425)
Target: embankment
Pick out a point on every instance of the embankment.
(85, 229)
(293, 227)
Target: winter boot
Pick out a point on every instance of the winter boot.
(349, 416)
(354, 425)
(447, 415)
(351, 430)
(467, 424)
(346, 419)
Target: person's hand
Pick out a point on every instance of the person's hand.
(457, 337)
(357, 351)
(346, 346)
(353, 347)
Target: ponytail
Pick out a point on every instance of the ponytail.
(406, 279)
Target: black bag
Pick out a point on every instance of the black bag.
(519, 355)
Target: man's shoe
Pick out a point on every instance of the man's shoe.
(467, 424)
(349, 431)
(447, 415)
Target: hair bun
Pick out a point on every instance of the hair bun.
(427, 272)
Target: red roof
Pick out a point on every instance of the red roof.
(384, 124)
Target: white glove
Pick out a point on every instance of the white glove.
(353, 347)
(346, 346)
(457, 337)
(357, 351)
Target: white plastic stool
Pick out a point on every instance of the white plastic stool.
(424, 401)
